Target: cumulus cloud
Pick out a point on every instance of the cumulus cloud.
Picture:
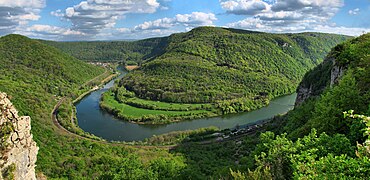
(244, 7)
(93, 16)
(354, 11)
(307, 5)
(189, 20)
(288, 15)
(15, 13)
(52, 30)
(350, 31)
(43, 31)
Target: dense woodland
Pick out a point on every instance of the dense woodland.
(324, 138)
(36, 76)
(211, 64)
(127, 52)
(292, 150)
(229, 70)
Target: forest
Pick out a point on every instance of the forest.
(36, 76)
(326, 136)
(127, 52)
(228, 70)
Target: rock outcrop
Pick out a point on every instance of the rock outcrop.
(18, 151)
(303, 93)
(336, 72)
(318, 83)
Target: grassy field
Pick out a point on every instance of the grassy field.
(158, 105)
(130, 68)
(143, 115)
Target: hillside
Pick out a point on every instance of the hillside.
(129, 52)
(327, 135)
(29, 69)
(35, 76)
(320, 139)
(230, 70)
(340, 83)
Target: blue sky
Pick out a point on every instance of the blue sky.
(137, 19)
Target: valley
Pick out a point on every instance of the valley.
(191, 81)
(197, 75)
(100, 123)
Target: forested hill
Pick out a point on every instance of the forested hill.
(340, 83)
(209, 64)
(327, 135)
(27, 64)
(130, 52)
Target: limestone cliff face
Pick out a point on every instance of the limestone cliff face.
(336, 72)
(18, 151)
(318, 80)
(303, 93)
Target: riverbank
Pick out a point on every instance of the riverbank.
(102, 124)
(96, 87)
(64, 112)
(134, 113)
(126, 106)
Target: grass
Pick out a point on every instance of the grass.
(158, 105)
(138, 112)
(149, 116)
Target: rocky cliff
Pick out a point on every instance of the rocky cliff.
(18, 151)
(326, 74)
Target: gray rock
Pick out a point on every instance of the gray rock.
(21, 149)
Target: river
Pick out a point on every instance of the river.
(100, 123)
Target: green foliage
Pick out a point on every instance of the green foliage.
(227, 70)
(36, 75)
(214, 160)
(237, 70)
(8, 172)
(141, 111)
(285, 158)
(257, 174)
(351, 92)
(67, 118)
(176, 137)
(6, 129)
(127, 52)
(166, 168)
(200, 67)
(330, 156)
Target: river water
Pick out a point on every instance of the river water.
(100, 123)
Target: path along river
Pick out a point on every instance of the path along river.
(94, 120)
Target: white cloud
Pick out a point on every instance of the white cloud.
(354, 11)
(37, 4)
(293, 5)
(245, 7)
(164, 8)
(42, 31)
(350, 31)
(93, 16)
(124, 30)
(52, 30)
(15, 13)
(57, 13)
(196, 19)
(164, 23)
(292, 16)
(189, 20)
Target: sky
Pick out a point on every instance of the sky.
(72, 20)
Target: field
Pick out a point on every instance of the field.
(164, 114)
(130, 68)
(158, 105)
